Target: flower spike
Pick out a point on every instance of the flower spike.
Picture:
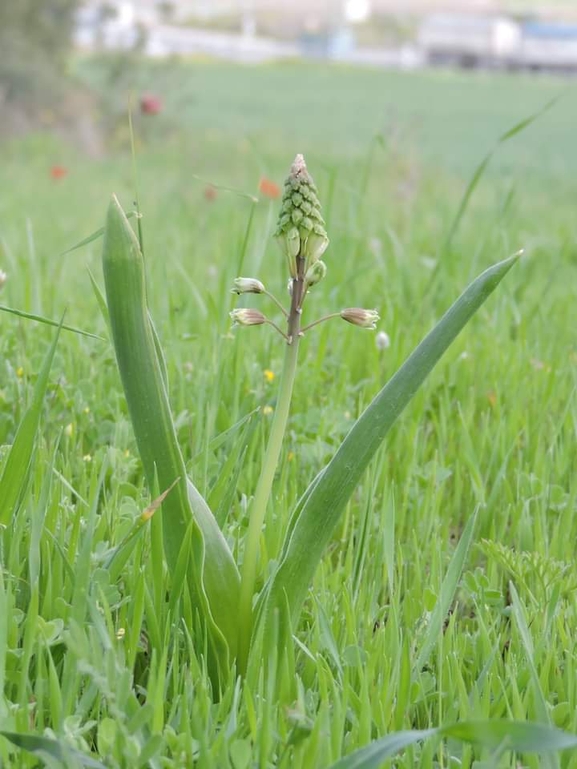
(301, 228)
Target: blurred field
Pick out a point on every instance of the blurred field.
(493, 428)
(448, 118)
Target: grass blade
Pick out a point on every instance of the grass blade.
(521, 736)
(19, 459)
(46, 748)
(373, 755)
(310, 532)
(518, 614)
(516, 736)
(92, 237)
(480, 170)
(48, 322)
(448, 590)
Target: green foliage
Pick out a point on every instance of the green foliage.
(214, 577)
(18, 461)
(99, 640)
(323, 503)
(498, 736)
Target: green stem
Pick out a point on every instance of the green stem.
(320, 320)
(266, 478)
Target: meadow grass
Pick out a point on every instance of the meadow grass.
(97, 650)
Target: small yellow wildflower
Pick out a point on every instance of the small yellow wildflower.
(290, 456)
(19, 372)
(69, 430)
(267, 410)
(269, 375)
(87, 458)
(86, 409)
(127, 453)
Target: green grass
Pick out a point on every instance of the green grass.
(102, 657)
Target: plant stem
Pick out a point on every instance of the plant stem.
(276, 328)
(278, 304)
(266, 478)
(320, 320)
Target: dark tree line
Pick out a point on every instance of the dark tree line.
(35, 40)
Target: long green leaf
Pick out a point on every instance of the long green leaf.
(92, 237)
(16, 468)
(479, 171)
(50, 750)
(518, 614)
(516, 736)
(310, 531)
(373, 755)
(48, 322)
(215, 576)
(448, 589)
(521, 736)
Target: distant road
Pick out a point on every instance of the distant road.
(165, 40)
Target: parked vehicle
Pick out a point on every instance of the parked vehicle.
(469, 40)
(498, 42)
(547, 46)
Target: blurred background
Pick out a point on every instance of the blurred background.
(68, 66)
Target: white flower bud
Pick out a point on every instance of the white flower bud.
(360, 317)
(247, 286)
(382, 340)
(3, 278)
(315, 273)
(247, 317)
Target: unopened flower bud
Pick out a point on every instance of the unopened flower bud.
(3, 278)
(317, 244)
(247, 286)
(360, 317)
(315, 273)
(290, 244)
(247, 317)
(382, 340)
(301, 229)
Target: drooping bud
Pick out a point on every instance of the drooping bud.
(247, 286)
(360, 317)
(301, 228)
(315, 273)
(244, 316)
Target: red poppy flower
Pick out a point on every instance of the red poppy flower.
(58, 172)
(210, 193)
(269, 188)
(150, 104)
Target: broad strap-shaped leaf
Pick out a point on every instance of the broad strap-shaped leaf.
(216, 579)
(503, 736)
(373, 755)
(50, 750)
(323, 503)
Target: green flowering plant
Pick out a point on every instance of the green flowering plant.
(237, 625)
